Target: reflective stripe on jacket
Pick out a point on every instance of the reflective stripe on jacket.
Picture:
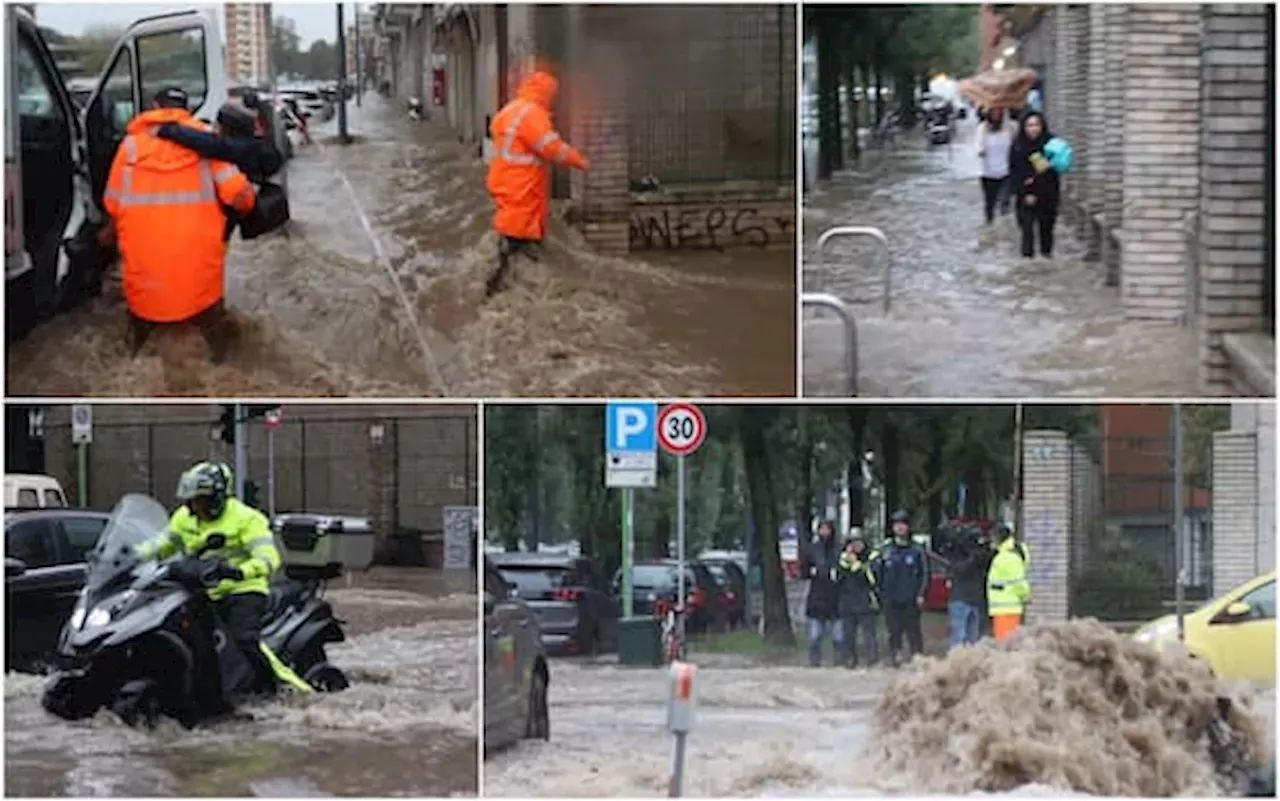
(519, 178)
(1008, 589)
(167, 204)
(250, 545)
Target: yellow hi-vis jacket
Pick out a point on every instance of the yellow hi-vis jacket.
(250, 545)
(1008, 590)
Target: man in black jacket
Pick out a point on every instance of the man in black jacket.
(903, 577)
(858, 601)
(819, 563)
(967, 580)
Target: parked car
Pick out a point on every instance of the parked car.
(576, 614)
(655, 581)
(733, 588)
(516, 675)
(44, 570)
(310, 102)
(31, 491)
(1235, 633)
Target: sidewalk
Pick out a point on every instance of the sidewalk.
(966, 321)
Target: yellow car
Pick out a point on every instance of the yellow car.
(1234, 633)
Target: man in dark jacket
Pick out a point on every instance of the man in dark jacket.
(819, 563)
(967, 580)
(902, 575)
(232, 141)
(858, 602)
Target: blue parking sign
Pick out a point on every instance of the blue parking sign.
(630, 427)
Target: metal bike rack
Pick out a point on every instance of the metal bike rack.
(827, 301)
(861, 231)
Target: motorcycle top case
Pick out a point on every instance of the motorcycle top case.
(307, 540)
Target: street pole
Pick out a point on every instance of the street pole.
(242, 449)
(628, 551)
(271, 471)
(1017, 470)
(82, 475)
(1179, 523)
(680, 558)
(343, 136)
(359, 66)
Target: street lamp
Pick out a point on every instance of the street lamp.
(998, 64)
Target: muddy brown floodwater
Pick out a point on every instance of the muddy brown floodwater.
(769, 730)
(968, 321)
(321, 315)
(406, 727)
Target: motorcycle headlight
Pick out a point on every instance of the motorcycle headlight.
(98, 617)
(77, 617)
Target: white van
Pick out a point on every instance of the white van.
(31, 491)
(57, 157)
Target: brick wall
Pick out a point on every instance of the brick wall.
(1235, 509)
(1094, 173)
(1086, 507)
(1260, 419)
(326, 459)
(1232, 219)
(1047, 507)
(1113, 126)
(1161, 156)
(703, 99)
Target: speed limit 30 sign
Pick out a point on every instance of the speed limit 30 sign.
(681, 428)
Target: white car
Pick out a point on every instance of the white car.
(31, 491)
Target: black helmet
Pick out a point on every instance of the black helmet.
(205, 480)
(900, 516)
(1003, 532)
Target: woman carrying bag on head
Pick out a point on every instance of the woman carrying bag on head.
(1037, 159)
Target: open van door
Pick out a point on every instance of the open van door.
(181, 49)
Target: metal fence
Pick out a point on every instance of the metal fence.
(402, 471)
(711, 92)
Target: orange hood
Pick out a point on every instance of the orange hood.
(539, 88)
(159, 154)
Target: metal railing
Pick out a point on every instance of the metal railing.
(824, 300)
(861, 231)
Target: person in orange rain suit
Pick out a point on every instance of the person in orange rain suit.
(520, 174)
(166, 204)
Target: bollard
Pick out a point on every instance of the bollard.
(679, 720)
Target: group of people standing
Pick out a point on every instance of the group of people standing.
(850, 586)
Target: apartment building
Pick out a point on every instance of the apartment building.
(248, 35)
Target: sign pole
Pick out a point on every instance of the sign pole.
(82, 437)
(242, 449)
(1179, 524)
(271, 471)
(82, 475)
(680, 557)
(628, 551)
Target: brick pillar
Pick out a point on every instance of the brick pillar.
(1113, 132)
(1075, 86)
(1235, 509)
(1093, 174)
(1233, 146)
(1046, 522)
(599, 128)
(1086, 507)
(383, 483)
(1161, 156)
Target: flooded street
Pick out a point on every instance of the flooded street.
(969, 321)
(405, 204)
(406, 727)
(787, 731)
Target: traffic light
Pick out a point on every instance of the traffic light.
(227, 424)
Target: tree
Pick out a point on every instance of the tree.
(285, 42)
(753, 422)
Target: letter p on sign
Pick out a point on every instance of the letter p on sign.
(631, 421)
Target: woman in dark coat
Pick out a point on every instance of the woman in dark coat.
(1036, 183)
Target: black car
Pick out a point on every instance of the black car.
(576, 613)
(655, 581)
(44, 569)
(733, 587)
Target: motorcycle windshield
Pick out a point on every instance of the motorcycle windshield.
(135, 520)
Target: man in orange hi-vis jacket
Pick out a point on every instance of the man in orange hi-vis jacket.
(166, 203)
(520, 174)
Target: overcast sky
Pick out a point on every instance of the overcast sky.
(312, 20)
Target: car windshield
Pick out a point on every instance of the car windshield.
(135, 520)
(719, 572)
(652, 577)
(533, 579)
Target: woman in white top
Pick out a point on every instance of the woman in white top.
(995, 137)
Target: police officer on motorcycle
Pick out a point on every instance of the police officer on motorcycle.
(242, 567)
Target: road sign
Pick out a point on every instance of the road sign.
(631, 445)
(681, 429)
(82, 424)
(273, 418)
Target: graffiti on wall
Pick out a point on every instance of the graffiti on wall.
(716, 228)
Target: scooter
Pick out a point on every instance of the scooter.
(145, 641)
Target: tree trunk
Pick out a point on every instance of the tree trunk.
(933, 470)
(828, 100)
(879, 94)
(889, 444)
(857, 496)
(851, 82)
(777, 616)
(804, 514)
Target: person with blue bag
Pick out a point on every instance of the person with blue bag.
(1037, 161)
